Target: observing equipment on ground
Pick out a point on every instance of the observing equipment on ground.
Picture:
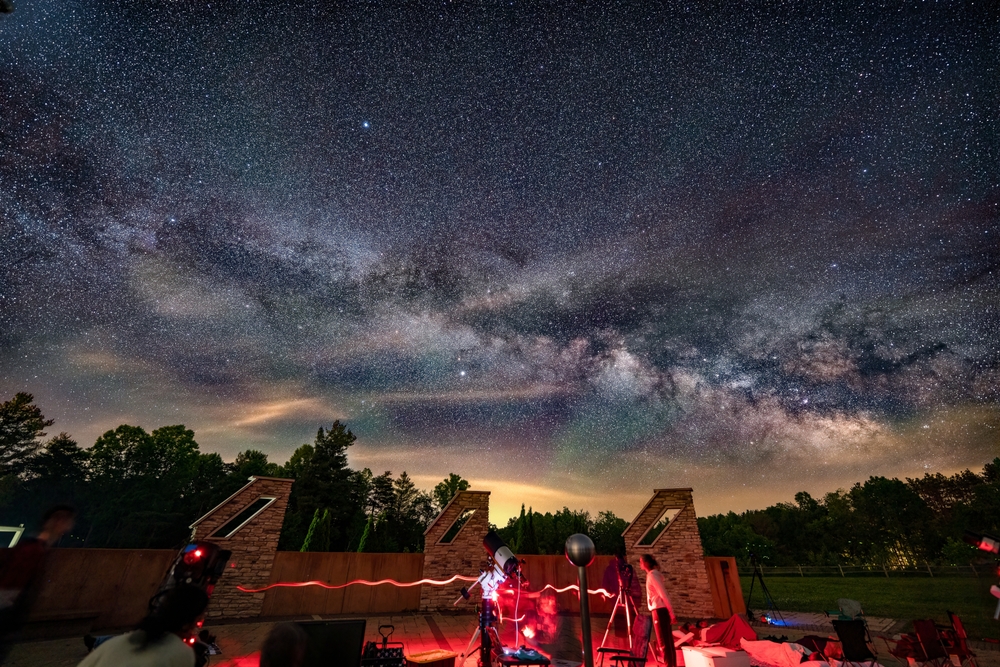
(501, 565)
(626, 575)
(199, 564)
(983, 541)
(773, 616)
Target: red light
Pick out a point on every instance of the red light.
(192, 557)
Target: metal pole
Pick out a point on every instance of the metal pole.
(580, 552)
(588, 646)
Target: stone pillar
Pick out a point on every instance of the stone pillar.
(677, 549)
(253, 544)
(464, 554)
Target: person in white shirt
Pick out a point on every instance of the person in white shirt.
(158, 640)
(660, 608)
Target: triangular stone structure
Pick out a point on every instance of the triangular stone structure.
(248, 523)
(676, 547)
(453, 544)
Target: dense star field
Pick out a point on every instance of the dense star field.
(571, 251)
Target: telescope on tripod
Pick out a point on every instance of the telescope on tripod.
(625, 601)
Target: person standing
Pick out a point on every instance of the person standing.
(22, 569)
(660, 608)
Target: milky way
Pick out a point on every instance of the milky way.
(571, 251)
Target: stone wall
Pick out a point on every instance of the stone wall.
(253, 546)
(678, 551)
(463, 555)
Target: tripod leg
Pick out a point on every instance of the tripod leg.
(611, 621)
(628, 620)
(468, 649)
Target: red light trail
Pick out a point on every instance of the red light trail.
(360, 582)
(576, 587)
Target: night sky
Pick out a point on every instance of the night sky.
(571, 251)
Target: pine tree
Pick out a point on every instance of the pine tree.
(307, 543)
(518, 543)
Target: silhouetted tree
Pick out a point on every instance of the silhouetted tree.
(446, 489)
(21, 426)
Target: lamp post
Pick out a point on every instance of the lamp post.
(580, 551)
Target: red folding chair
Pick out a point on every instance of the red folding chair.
(935, 652)
(957, 644)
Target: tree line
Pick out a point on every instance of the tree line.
(881, 522)
(139, 489)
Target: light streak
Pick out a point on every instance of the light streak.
(360, 582)
(576, 587)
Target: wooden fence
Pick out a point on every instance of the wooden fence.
(113, 586)
(556, 570)
(340, 568)
(110, 586)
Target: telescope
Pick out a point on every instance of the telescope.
(502, 564)
(982, 541)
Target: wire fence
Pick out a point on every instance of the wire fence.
(925, 570)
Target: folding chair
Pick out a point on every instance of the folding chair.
(847, 610)
(642, 630)
(959, 645)
(930, 641)
(854, 642)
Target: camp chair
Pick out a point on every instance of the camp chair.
(847, 610)
(854, 642)
(957, 642)
(930, 641)
(642, 630)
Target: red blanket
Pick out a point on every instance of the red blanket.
(729, 633)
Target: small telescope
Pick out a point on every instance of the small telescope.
(982, 541)
(502, 564)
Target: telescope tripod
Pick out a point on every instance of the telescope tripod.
(758, 575)
(486, 633)
(624, 601)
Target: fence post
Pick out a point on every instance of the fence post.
(973, 569)
(885, 570)
(800, 571)
(841, 569)
(929, 569)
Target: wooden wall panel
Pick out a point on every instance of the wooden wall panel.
(724, 580)
(114, 583)
(558, 571)
(338, 568)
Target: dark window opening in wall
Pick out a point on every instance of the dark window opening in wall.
(230, 528)
(659, 526)
(462, 519)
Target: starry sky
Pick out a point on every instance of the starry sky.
(572, 251)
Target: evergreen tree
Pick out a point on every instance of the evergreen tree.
(325, 481)
(21, 426)
(446, 490)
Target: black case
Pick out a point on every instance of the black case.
(384, 654)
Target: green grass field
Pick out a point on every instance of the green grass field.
(904, 598)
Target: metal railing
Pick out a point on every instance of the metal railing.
(925, 570)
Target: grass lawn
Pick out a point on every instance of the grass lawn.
(904, 598)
